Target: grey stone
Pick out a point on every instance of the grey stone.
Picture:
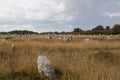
(45, 67)
(87, 40)
(13, 47)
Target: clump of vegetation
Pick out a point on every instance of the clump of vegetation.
(107, 58)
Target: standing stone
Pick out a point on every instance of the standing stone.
(3, 42)
(13, 47)
(70, 38)
(67, 38)
(49, 37)
(29, 36)
(45, 67)
(87, 40)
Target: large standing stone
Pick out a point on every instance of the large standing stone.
(45, 67)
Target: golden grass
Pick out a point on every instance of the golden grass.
(74, 60)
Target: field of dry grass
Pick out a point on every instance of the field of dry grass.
(98, 59)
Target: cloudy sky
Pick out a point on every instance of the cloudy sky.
(57, 15)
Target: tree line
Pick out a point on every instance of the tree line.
(99, 29)
(19, 32)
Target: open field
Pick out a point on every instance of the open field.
(96, 59)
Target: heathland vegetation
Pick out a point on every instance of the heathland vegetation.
(76, 59)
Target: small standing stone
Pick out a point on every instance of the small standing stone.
(3, 42)
(87, 40)
(13, 47)
(49, 37)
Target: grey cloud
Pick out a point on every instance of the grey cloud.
(58, 15)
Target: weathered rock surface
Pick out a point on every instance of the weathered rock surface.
(45, 67)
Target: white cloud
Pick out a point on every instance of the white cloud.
(112, 14)
(16, 27)
(118, 3)
(19, 10)
(62, 17)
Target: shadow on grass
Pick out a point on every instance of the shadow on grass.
(58, 73)
(22, 76)
(25, 76)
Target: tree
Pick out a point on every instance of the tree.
(77, 30)
(98, 28)
(107, 28)
(116, 29)
(22, 32)
(56, 32)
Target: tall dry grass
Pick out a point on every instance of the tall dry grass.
(74, 60)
